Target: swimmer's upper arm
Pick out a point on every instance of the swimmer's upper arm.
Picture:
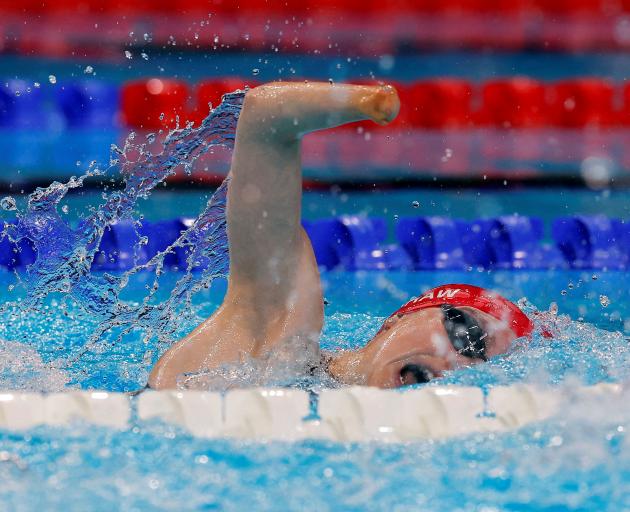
(264, 202)
(268, 247)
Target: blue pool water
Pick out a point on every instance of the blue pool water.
(576, 461)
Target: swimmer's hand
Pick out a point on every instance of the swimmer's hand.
(381, 105)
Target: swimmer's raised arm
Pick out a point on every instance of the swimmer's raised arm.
(274, 292)
(265, 235)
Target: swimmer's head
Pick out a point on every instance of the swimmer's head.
(447, 327)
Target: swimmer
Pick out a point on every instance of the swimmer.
(274, 295)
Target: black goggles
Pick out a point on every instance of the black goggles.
(466, 336)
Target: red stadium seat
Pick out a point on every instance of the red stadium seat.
(439, 103)
(472, 6)
(582, 102)
(154, 103)
(402, 6)
(211, 91)
(22, 7)
(513, 103)
(270, 7)
(570, 7)
(355, 6)
(625, 113)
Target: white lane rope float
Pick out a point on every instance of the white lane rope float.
(351, 414)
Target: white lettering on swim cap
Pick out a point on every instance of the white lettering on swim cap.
(448, 293)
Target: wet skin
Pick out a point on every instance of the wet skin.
(418, 340)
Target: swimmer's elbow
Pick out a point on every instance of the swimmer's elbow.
(267, 113)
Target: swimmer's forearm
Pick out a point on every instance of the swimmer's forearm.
(290, 110)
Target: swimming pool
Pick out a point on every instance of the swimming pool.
(576, 460)
(66, 327)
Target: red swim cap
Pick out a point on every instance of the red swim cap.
(466, 295)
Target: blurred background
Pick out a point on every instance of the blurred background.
(508, 107)
(525, 90)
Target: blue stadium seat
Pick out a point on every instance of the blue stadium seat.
(21, 105)
(89, 104)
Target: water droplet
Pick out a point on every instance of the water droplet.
(144, 56)
(7, 203)
(255, 71)
(415, 204)
(65, 208)
(128, 54)
(594, 277)
(52, 79)
(330, 81)
(88, 70)
(563, 292)
(36, 85)
(386, 62)
(604, 301)
(216, 39)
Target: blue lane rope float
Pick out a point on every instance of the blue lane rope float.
(354, 243)
(592, 242)
(431, 242)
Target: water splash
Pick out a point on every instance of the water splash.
(64, 253)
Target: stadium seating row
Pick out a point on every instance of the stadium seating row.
(155, 103)
(308, 6)
(423, 243)
(362, 26)
(521, 127)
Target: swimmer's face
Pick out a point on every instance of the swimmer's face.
(421, 346)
